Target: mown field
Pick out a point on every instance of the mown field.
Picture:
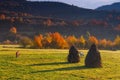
(51, 64)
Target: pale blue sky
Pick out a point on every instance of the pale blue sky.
(91, 4)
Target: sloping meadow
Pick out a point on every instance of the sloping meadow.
(51, 64)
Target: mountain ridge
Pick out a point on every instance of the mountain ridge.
(31, 18)
(111, 7)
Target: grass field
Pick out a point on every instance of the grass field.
(51, 64)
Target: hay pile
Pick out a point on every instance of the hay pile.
(73, 56)
(93, 58)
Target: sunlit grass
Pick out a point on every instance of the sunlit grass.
(51, 64)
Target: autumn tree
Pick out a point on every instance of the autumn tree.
(93, 40)
(103, 43)
(106, 44)
(110, 44)
(12, 34)
(38, 41)
(81, 42)
(58, 41)
(88, 35)
(72, 40)
(26, 42)
(2, 17)
(51, 40)
(13, 30)
(117, 42)
(47, 40)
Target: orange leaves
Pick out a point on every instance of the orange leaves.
(47, 41)
(2, 17)
(51, 40)
(117, 41)
(93, 39)
(58, 41)
(48, 38)
(71, 40)
(38, 40)
(13, 30)
(103, 43)
(110, 43)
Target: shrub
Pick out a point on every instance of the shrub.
(26, 42)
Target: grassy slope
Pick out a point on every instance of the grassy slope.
(48, 64)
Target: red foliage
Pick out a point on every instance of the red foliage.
(13, 30)
(117, 28)
(98, 22)
(2, 17)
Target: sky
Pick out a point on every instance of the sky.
(90, 4)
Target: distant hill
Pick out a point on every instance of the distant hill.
(47, 9)
(31, 18)
(112, 7)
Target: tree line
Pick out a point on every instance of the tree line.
(56, 40)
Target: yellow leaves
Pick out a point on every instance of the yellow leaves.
(56, 40)
(103, 42)
(117, 40)
(49, 39)
(82, 40)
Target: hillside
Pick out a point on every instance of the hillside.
(31, 18)
(113, 7)
(48, 9)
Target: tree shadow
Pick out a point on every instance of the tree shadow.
(55, 63)
(63, 69)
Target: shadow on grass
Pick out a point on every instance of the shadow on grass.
(63, 69)
(43, 64)
(14, 78)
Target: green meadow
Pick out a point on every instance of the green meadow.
(51, 64)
